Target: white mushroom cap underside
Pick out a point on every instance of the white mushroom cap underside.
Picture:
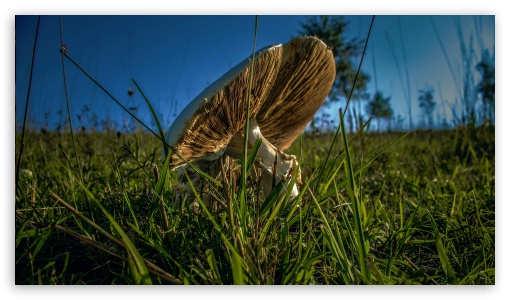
(194, 117)
(290, 83)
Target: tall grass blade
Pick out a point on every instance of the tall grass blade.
(357, 213)
(244, 171)
(163, 181)
(407, 75)
(111, 96)
(70, 119)
(155, 117)
(202, 174)
(22, 143)
(360, 63)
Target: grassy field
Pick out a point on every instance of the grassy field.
(393, 209)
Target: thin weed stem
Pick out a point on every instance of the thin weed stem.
(22, 142)
(110, 95)
(359, 66)
(407, 75)
(63, 49)
(244, 175)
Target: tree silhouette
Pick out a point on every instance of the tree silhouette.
(487, 84)
(330, 29)
(379, 108)
(427, 104)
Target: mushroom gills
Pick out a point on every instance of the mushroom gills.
(266, 157)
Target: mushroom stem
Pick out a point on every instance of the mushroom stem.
(267, 155)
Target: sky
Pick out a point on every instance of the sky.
(173, 58)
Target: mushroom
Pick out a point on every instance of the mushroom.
(290, 83)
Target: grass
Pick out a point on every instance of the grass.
(421, 212)
(395, 208)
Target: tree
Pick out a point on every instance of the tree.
(399, 122)
(487, 84)
(331, 29)
(427, 104)
(379, 108)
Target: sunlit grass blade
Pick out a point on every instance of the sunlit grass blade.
(333, 176)
(211, 260)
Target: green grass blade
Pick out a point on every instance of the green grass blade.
(163, 181)
(361, 248)
(441, 251)
(211, 260)
(155, 117)
(271, 199)
(126, 197)
(335, 245)
(136, 262)
(158, 247)
(243, 220)
(253, 154)
(274, 213)
(237, 263)
(42, 241)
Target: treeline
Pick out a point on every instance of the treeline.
(475, 100)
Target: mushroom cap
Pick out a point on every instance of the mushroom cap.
(306, 75)
(290, 83)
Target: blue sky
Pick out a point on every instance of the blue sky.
(173, 58)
